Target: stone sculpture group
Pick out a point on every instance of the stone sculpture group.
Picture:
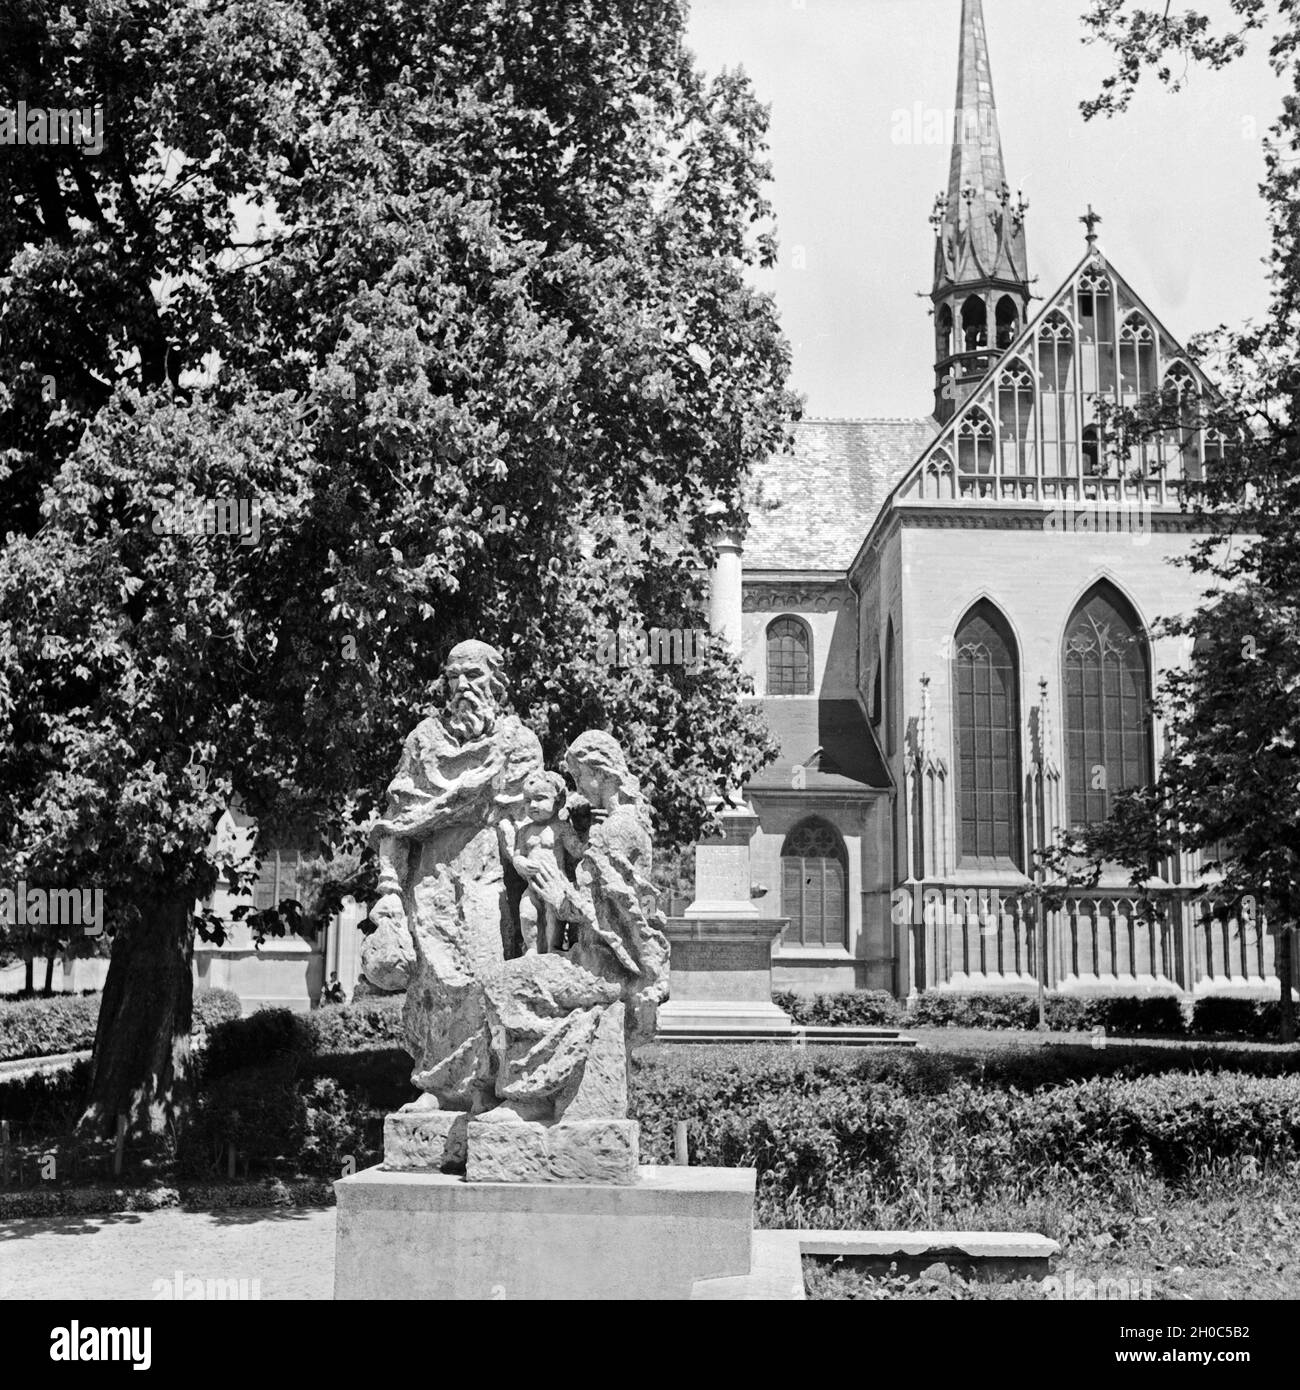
(521, 921)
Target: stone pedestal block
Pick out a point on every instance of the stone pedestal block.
(431, 1235)
(722, 979)
(425, 1141)
(599, 1151)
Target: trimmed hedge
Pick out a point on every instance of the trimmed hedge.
(1217, 1016)
(866, 1008)
(1123, 1015)
(67, 1022)
(269, 1036)
(836, 1149)
(45, 1027)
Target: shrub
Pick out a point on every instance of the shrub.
(1123, 1015)
(213, 1007)
(943, 1009)
(834, 1144)
(264, 1037)
(866, 1008)
(45, 1027)
(334, 1127)
(256, 1109)
(1217, 1015)
(375, 1022)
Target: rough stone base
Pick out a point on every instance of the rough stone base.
(433, 1236)
(425, 1141)
(572, 1151)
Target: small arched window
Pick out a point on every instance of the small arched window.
(975, 324)
(1008, 321)
(943, 333)
(789, 658)
(814, 877)
(975, 445)
(938, 476)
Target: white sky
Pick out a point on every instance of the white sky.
(1176, 179)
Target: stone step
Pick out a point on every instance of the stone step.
(799, 1037)
(977, 1254)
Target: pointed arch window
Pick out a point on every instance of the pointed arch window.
(938, 476)
(1008, 321)
(1107, 705)
(1016, 419)
(1183, 436)
(1137, 357)
(814, 878)
(975, 324)
(975, 446)
(986, 687)
(789, 657)
(943, 333)
(1056, 362)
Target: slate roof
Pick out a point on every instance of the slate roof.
(849, 759)
(811, 509)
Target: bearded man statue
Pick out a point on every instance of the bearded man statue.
(444, 922)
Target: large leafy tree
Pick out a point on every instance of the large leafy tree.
(455, 298)
(1230, 785)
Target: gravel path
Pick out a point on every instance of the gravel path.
(290, 1253)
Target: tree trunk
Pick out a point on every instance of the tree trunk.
(1286, 1029)
(29, 976)
(51, 955)
(141, 1062)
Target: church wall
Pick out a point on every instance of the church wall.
(866, 961)
(1035, 578)
(1100, 944)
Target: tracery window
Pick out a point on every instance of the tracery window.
(987, 726)
(1107, 709)
(814, 872)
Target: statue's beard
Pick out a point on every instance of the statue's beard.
(469, 715)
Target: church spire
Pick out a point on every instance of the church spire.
(981, 272)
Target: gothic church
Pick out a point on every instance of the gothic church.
(949, 625)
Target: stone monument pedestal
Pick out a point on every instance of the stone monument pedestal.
(721, 968)
(722, 979)
(404, 1235)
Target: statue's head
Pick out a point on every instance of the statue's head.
(471, 688)
(599, 768)
(544, 794)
